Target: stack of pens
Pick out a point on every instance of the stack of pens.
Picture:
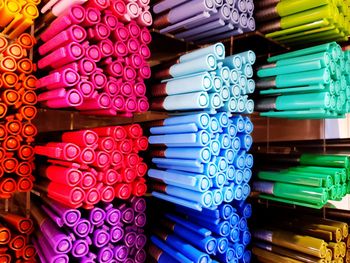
(300, 239)
(16, 112)
(205, 80)
(296, 22)
(205, 159)
(219, 235)
(96, 56)
(14, 245)
(111, 232)
(204, 21)
(17, 16)
(317, 179)
(88, 166)
(308, 83)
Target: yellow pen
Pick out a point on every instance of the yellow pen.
(8, 11)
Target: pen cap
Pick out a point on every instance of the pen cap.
(98, 4)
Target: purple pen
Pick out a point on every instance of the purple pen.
(81, 247)
(140, 220)
(121, 252)
(127, 214)
(48, 252)
(83, 228)
(116, 233)
(90, 258)
(140, 256)
(39, 250)
(138, 204)
(130, 239)
(113, 215)
(105, 254)
(141, 241)
(101, 237)
(97, 216)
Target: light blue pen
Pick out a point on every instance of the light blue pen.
(225, 141)
(219, 180)
(247, 57)
(215, 125)
(248, 70)
(231, 130)
(239, 122)
(241, 104)
(186, 101)
(229, 154)
(202, 120)
(217, 84)
(238, 190)
(249, 107)
(215, 100)
(230, 173)
(249, 160)
(171, 129)
(246, 191)
(231, 105)
(248, 127)
(218, 50)
(221, 163)
(233, 62)
(246, 141)
(215, 147)
(235, 91)
(228, 193)
(234, 76)
(224, 94)
(224, 73)
(201, 138)
(250, 86)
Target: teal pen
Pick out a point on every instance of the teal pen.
(178, 201)
(201, 138)
(202, 120)
(218, 50)
(204, 232)
(190, 181)
(295, 90)
(323, 57)
(312, 77)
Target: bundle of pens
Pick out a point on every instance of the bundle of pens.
(111, 232)
(204, 158)
(219, 235)
(85, 167)
(308, 83)
(17, 16)
(95, 55)
(16, 113)
(300, 22)
(14, 245)
(205, 80)
(300, 238)
(317, 179)
(204, 21)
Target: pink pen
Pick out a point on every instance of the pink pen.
(145, 71)
(89, 179)
(112, 87)
(139, 89)
(103, 101)
(61, 151)
(98, 32)
(110, 20)
(84, 138)
(99, 4)
(52, 94)
(129, 73)
(107, 193)
(86, 88)
(86, 66)
(133, 45)
(75, 15)
(117, 159)
(72, 99)
(118, 103)
(134, 29)
(59, 79)
(102, 159)
(106, 47)
(98, 79)
(120, 49)
(118, 8)
(143, 3)
(142, 104)
(87, 156)
(93, 52)
(108, 112)
(74, 66)
(145, 36)
(144, 51)
(121, 33)
(106, 144)
(115, 69)
(64, 55)
(131, 104)
(126, 89)
(92, 17)
(135, 60)
(74, 33)
(132, 12)
(145, 18)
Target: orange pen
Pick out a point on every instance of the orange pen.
(17, 242)
(29, 130)
(13, 127)
(7, 186)
(10, 97)
(8, 64)
(28, 112)
(9, 79)
(12, 143)
(5, 236)
(26, 66)
(15, 50)
(29, 98)
(28, 82)
(24, 169)
(3, 41)
(3, 110)
(25, 40)
(3, 132)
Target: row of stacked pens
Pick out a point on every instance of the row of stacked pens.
(303, 22)
(204, 21)
(95, 55)
(308, 83)
(201, 158)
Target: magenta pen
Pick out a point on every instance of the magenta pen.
(145, 18)
(144, 71)
(118, 103)
(120, 49)
(143, 3)
(103, 101)
(93, 52)
(98, 79)
(74, 33)
(89, 179)
(98, 4)
(140, 89)
(64, 55)
(118, 8)
(52, 94)
(112, 87)
(106, 47)
(134, 60)
(72, 66)
(87, 156)
(72, 99)
(59, 79)
(110, 20)
(131, 104)
(133, 45)
(92, 17)
(142, 104)
(145, 36)
(115, 69)
(126, 89)
(121, 33)
(98, 32)
(129, 73)
(144, 51)
(133, 29)
(86, 88)
(75, 15)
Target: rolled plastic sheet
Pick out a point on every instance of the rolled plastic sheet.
(205, 79)
(94, 57)
(310, 83)
(299, 22)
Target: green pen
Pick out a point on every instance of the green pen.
(299, 114)
(327, 179)
(328, 160)
(335, 173)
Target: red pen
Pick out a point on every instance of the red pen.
(88, 179)
(92, 197)
(141, 169)
(3, 153)
(131, 160)
(29, 130)
(110, 177)
(3, 132)
(63, 175)
(103, 101)
(21, 224)
(134, 131)
(124, 146)
(139, 188)
(128, 175)
(102, 160)
(5, 236)
(28, 253)
(61, 151)
(107, 193)
(123, 191)
(3, 110)
(17, 242)
(25, 152)
(9, 164)
(98, 4)
(83, 138)
(13, 127)
(24, 169)
(24, 184)
(140, 144)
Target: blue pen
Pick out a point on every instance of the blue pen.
(247, 256)
(215, 147)
(249, 160)
(228, 193)
(229, 155)
(222, 245)
(231, 130)
(230, 173)
(218, 197)
(175, 254)
(226, 211)
(238, 190)
(200, 119)
(177, 162)
(234, 219)
(221, 163)
(199, 170)
(234, 234)
(246, 191)
(225, 141)
(239, 122)
(178, 201)
(240, 160)
(214, 125)
(239, 248)
(245, 237)
(210, 169)
(202, 154)
(193, 227)
(197, 218)
(248, 125)
(219, 180)
(247, 175)
(211, 212)
(239, 176)
(201, 138)
(244, 208)
(228, 256)
(243, 224)
(222, 229)
(236, 144)
(246, 141)
(171, 129)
